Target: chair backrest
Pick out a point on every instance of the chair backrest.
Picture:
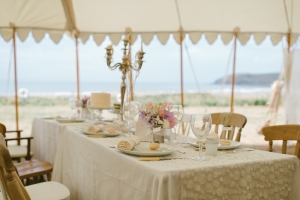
(230, 122)
(11, 184)
(2, 129)
(284, 133)
(185, 125)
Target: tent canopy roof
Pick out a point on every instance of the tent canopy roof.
(148, 17)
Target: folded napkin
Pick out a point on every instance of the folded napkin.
(95, 128)
(128, 144)
(225, 118)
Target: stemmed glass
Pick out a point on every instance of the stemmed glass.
(72, 104)
(201, 125)
(178, 113)
(130, 111)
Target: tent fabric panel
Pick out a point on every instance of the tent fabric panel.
(115, 16)
(211, 37)
(259, 37)
(194, 37)
(115, 38)
(35, 14)
(226, 37)
(38, 35)
(6, 34)
(23, 33)
(99, 38)
(255, 16)
(163, 37)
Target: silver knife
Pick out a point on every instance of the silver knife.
(157, 158)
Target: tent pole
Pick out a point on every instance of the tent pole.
(233, 75)
(77, 69)
(181, 74)
(181, 82)
(288, 39)
(16, 84)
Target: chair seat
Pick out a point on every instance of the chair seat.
(32, 168)
(18, 151)
(48, 191)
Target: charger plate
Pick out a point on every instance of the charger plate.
(233, 145)
(104, 133)
(142, 149)
(64, 120)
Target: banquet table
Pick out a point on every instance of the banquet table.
(91, 169)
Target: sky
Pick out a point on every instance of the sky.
(47, 61)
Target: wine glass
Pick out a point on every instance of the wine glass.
(72, 104)
(91, 110)
(201, 125)
(178, 113)
(130, 111)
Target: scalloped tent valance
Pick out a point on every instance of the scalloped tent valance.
(85, 18)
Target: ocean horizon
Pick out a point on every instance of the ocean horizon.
(44, 88)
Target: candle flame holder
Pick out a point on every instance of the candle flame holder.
(124, 66)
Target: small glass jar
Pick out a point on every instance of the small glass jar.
(212, 142)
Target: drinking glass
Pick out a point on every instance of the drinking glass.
(130, 111)
(178, 113)
(72, 104)
(201, 125)
(91, 110)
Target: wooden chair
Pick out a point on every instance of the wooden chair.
(13, 189)
(18, 151)
(30, 168)
(284, 133)
(228, 130)
(185, 125)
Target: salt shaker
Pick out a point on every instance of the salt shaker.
(212, 142)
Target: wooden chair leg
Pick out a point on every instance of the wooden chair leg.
(49, 177)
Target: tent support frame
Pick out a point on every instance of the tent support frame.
(233, 75)
(16, 85)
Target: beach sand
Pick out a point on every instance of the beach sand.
(250, 138)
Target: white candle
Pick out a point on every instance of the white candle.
(127, 37)
(109, 47)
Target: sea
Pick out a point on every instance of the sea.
(67, 88)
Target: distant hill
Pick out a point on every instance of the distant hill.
(251, 79)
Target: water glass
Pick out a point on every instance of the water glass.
(201, 125)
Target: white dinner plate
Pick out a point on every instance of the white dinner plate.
(64, 120)
(233, 145)
(142, 149)
(104, 133)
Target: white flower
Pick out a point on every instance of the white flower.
(166, 124)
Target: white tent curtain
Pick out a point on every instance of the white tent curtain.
(292, 83)
(98, 18)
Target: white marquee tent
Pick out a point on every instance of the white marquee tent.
(98, 18)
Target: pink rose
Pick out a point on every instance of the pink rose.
(164, 105)
(149, 105)
(161, 112)
(173, 122)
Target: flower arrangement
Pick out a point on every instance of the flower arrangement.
(83, 102)
(158, 115)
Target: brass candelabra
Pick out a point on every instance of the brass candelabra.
(125, 66)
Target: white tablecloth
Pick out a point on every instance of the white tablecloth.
(92, 170)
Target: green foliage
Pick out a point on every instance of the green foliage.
(203, 99)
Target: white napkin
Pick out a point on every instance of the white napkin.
(95, 129)
(128, 144)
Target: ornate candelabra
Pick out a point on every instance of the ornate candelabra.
(125, 66)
